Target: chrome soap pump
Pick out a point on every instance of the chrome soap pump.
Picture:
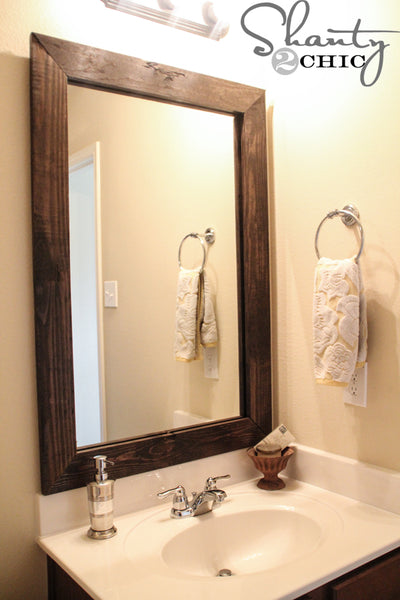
(100, 497)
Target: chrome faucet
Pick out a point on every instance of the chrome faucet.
(201, 503)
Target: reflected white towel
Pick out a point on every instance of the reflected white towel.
(208, 326)
(195, 324)
(339, 321)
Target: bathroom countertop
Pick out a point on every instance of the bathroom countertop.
(104, 571)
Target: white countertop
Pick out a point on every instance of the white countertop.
(102, 568)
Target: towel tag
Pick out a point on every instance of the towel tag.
(210, 359)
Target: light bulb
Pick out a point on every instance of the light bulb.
(181, 5)
(167, 4)
(215, 15)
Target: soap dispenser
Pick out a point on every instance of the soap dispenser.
(100, 497)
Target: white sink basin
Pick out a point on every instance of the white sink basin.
(242, 543)
(247, 534)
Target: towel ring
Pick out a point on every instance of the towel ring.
(197, 236)
(350, 217)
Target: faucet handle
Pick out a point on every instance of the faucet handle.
(180, 504)
(179, 500)
(211, 482)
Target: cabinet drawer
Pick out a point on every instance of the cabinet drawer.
(380, 580)
(319, 594)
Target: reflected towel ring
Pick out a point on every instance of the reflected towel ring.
(350, 217)
(198, 236)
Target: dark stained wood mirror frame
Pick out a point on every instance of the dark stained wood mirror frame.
(54, 64)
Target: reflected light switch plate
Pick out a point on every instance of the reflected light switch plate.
(111, 294)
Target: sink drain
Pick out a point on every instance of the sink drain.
(224, 573)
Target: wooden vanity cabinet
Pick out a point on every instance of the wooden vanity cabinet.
(377, 580)
(61, 586)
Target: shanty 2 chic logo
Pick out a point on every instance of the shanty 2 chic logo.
(365, 47)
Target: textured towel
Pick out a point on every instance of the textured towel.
(339, 321)
(195, 324)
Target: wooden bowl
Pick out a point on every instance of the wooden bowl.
(270, 466)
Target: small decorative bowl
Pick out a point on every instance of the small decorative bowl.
(270, 466)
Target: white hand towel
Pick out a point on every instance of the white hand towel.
(208, 328)
(195, 323)
(339, 321)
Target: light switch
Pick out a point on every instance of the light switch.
(111, 294)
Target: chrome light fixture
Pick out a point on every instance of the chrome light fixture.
(199, 17)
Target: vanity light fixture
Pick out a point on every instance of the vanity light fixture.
(194, 16)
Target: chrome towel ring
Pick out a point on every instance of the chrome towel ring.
(209, 237)
(350, 216)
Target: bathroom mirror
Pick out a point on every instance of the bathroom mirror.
(157, 179)
(55, 64)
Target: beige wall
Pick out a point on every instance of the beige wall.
(334, 141)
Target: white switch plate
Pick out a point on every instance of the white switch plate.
(111, 294)
(356, 391)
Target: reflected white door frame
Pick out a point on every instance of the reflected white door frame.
(87, 295)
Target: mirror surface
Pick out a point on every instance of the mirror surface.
(158, 179)
(55, 64)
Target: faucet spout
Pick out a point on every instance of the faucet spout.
(200, 503)
(205, 501)
(220, 496)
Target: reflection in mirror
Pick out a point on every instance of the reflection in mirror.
(159, 179)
